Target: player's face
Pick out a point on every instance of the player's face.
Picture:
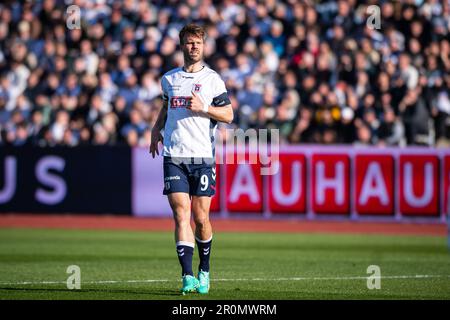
(192, 48)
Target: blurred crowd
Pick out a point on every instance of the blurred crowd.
(326, 72)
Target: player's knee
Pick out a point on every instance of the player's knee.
(182, 224)
(181, 218)
(201, 221)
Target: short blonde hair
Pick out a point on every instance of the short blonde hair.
(192, 30)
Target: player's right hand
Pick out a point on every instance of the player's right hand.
(156, 137)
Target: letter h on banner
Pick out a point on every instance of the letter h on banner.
(330, 183)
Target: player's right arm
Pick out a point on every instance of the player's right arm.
(156, 131)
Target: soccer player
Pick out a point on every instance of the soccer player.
(195, 99)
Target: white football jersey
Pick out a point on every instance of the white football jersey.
(188, 133)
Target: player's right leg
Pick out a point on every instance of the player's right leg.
(176, 188)
(184, 238)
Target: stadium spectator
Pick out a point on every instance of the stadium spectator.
(391, 130)
(315, 71)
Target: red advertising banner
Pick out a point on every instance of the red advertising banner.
(390, 183)
(244, 187)
(419, 185)
(446, 185)
(374, 183)
(287, 188)
(330, 183)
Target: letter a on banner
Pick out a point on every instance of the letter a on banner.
(244, 188)
(374, 184)
(244, 184)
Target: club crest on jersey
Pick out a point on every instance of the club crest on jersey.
(196, 87)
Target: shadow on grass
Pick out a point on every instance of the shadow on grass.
(99, 292)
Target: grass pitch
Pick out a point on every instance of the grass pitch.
(143, 265)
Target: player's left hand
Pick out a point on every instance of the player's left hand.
(196, 103)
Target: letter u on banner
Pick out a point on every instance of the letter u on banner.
(419, 185)
(287, 187)
(10, 179)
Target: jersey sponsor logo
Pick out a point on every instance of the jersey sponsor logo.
(179, 101)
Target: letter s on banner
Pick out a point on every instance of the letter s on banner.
(50, 180)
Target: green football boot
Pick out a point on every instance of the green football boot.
(190, 284)
(203, 278)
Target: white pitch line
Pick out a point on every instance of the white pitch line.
(417, 276)
(86, 282)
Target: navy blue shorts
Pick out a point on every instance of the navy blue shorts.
(196, 177)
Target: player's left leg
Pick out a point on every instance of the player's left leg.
(202, 182)
(203, 238)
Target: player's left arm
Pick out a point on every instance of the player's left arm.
(222, 114)
(221, 110)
